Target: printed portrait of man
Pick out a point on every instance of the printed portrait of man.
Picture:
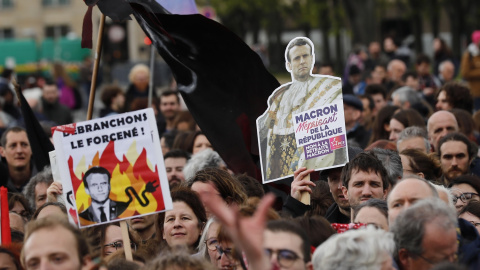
(97, 185)
(279, 154)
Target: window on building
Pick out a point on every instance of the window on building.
(56, 31)
(6, 4)
(6, 33)
(50, 3)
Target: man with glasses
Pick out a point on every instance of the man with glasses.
(287, 246)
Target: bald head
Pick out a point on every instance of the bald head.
(405, 193)
(440, 124)
(396, 68)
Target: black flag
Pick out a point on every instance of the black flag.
(223, 82)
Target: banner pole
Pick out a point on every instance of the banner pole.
(304, 195)
(98, 52)
(127, 248)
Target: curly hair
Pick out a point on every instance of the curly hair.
(458, 96)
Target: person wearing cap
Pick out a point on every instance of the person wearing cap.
(357, 135)
(470, 67)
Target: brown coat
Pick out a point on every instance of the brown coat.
(470, 71)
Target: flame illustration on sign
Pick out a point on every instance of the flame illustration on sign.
(134, 179)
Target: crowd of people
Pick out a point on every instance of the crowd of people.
(409, 197)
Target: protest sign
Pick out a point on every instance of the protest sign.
(112, 168)
(304, 125)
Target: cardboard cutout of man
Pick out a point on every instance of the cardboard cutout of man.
(97, 185)
(279, 153)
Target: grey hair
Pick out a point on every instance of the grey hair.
(409, 227)
(405, 94)
(442, 65)
(449, 193)
(392, 162)
(413, 132)
(204, 159)
(363, 249)
(45, 176)
(202, 247)
(379, 204)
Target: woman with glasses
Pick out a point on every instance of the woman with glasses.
(183, 225)
(106, 239)
(471, 213)
(464, 189)
(227, 257)
(207, 246)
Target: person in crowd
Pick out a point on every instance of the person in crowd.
(395, 69)
(407, 192)
(418, 163)
(169, 109)
(366, 248)
(18, 204)
(402, 120)
(413, 138)
(454, 95)
(198, 142)
(364, 178)
(10, 258)
(339, 211)
(326, 69)
(113, 97)
(465, 188)
(66, 86)
(184, 121)
(175, 161)
(425, 220)
(227, 256)
(139, 77)
(357, 135)
(428, 82)
(382, 144)
(183, 225)
(366, 120)
(470, 67)
(207, 246)
(410, 79)
(36, 189)
(178, 259)
(105, 239)
(374, 212)
(379, 96)
(466, 124)
(143, 226)
(471, 213)
(50, 209)
(317, 227)
(214, 181)
(381, 125)
(392, 162)
(167, 140)
(49, 238)
(252, 187)
(439, 125)
(446, 72)
(52, 109)
(205, 159)
(456, 154)
(441, 54)
(15, 149)
(17, 222)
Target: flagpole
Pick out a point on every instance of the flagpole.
(304, 195)
(98, 52)
(152, 65)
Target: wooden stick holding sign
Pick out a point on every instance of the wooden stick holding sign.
(98, 51)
